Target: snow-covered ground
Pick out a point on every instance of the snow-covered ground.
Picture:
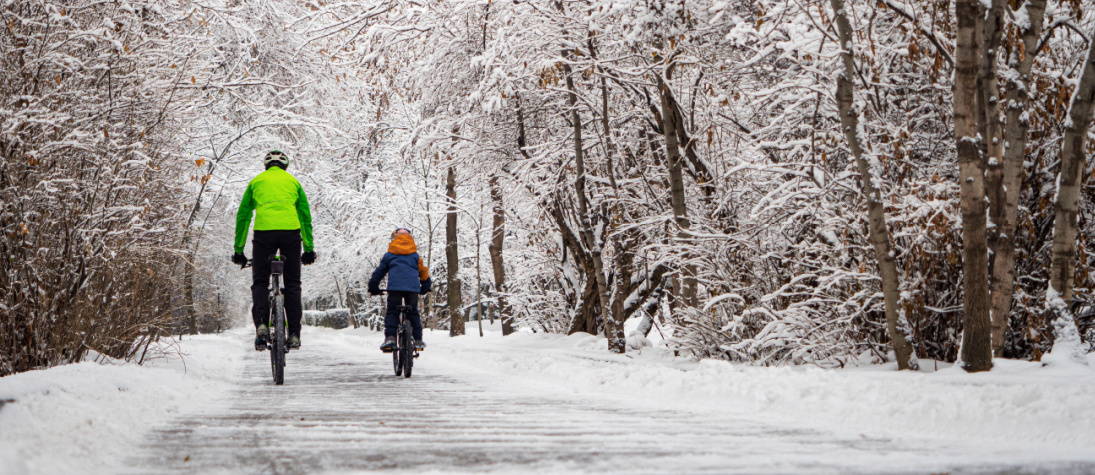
(87, 417)
(1020, 411)
(1020, 404)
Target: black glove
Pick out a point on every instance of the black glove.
(239, 259)
(308, 258)
(374, 291)
(427, 285)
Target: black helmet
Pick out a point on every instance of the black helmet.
(276, 157)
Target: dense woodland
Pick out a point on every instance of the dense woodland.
(825, 182)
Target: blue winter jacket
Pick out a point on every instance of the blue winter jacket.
(404, 268)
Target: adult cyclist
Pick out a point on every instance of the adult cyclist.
(283, 222)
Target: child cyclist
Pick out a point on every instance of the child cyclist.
(407, 279)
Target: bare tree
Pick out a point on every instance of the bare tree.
(868, 179)
(613, 330)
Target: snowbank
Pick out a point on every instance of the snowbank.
(87, 417)
(1021, 410)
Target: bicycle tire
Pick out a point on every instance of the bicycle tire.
(408, 351)
(277, 352)
(397, 360)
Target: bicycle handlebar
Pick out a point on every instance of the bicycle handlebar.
(250, 262)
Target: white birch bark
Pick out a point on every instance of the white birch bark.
(1066, 210)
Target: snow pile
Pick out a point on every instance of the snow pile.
(1020, 405)
(88, 417)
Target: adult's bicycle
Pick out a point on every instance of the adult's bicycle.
(275, 343)
(405, 352)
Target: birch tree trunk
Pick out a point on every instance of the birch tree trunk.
(976, 354)
(989, 125)
(497, 264)
(1005, 214)
(992, 147)
(452, 258)
(876, 218)
(614, 330)
(1066, 208)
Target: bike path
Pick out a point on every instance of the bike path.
(346, 412)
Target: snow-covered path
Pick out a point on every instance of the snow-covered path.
(343, 410)
(534, 403)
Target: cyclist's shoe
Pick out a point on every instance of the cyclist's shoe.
(419, 345)
(294, 342)
(389, 344)
(262, 335)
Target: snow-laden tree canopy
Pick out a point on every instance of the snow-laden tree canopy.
(720, 201)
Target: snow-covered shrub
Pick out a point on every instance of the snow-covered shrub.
(90, 214)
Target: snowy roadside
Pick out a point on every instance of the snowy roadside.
(1020, 411)
(86, 417)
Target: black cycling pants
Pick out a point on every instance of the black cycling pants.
(391, 317)
(266, 244)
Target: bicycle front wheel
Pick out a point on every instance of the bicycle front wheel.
(397, 360)
(408, 351)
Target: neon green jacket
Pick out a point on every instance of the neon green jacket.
(279, 204)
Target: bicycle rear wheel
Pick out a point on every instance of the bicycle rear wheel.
(277, 348)
(408, 350)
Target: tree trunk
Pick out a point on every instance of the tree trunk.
(976, 352)
(427, 300)
(614, 331)
(876, 218)
(587, 319)
(687, 278)
(497, 239)
(452, 257)
(989, 125)
(1006, 214)
(479, 271)
(1066, 208)
(992, 145)
(188, 290)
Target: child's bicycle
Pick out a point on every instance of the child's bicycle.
(404, 353)
(276, 319)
